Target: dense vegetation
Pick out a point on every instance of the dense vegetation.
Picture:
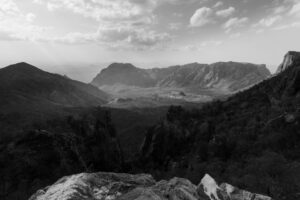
(55, 149)
(86, 140)
(251, 140)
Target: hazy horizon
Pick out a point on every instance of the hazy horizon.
(80, 37)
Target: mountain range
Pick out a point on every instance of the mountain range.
(177, 84)
(231, 76)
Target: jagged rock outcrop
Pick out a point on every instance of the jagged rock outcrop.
(292, 58)
(112, 186)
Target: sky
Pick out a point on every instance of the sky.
(79, 37)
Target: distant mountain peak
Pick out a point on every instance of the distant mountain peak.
(123, 73)
(229, 76)
(27, 83)
(121, 65)
(21, 67)
(292, 58)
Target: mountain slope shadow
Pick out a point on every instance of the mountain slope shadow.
(251, 139)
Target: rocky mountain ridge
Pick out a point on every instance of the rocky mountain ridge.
(113, 186)
(292, 58)
(222, 75)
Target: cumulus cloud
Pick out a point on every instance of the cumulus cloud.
(295, 10)
(205, 15)
(119, 38)
(16, 25)
(201, 17)
(30, 17)
(218, 4)
(124, 23)
(234, 22)
(269, 21)
(104, 9)
(226, 12)
(109, 9)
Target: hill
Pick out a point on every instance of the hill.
(27, 93)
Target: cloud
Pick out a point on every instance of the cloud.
(226, 12)
(295, 10)
(201, 17)
(174, 26)
(17, 25)
(287, 26)
(202, 45)
(269, 21)
(109, 9)
(218, 4)
(119, 38)
(30, 17)
(233, 23)
(124, 23)
(235, 35)
(9, 7)
(104, 9)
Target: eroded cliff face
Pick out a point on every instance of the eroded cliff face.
(292, 58)
(113, 186)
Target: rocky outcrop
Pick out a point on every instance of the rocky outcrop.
(292, 58)
(112, 186)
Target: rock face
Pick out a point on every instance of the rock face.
(222, 75)
(123, 73)
(112, 186)
(292, 58)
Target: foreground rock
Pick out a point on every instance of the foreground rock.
(112, 186)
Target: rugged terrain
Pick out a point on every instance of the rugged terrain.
(177, 84)
(251, 139)
(111, 186)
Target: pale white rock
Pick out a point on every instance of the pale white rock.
(210, 187)
(114, 186)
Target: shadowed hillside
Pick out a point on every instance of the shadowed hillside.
(251, 139)
(28, 94)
